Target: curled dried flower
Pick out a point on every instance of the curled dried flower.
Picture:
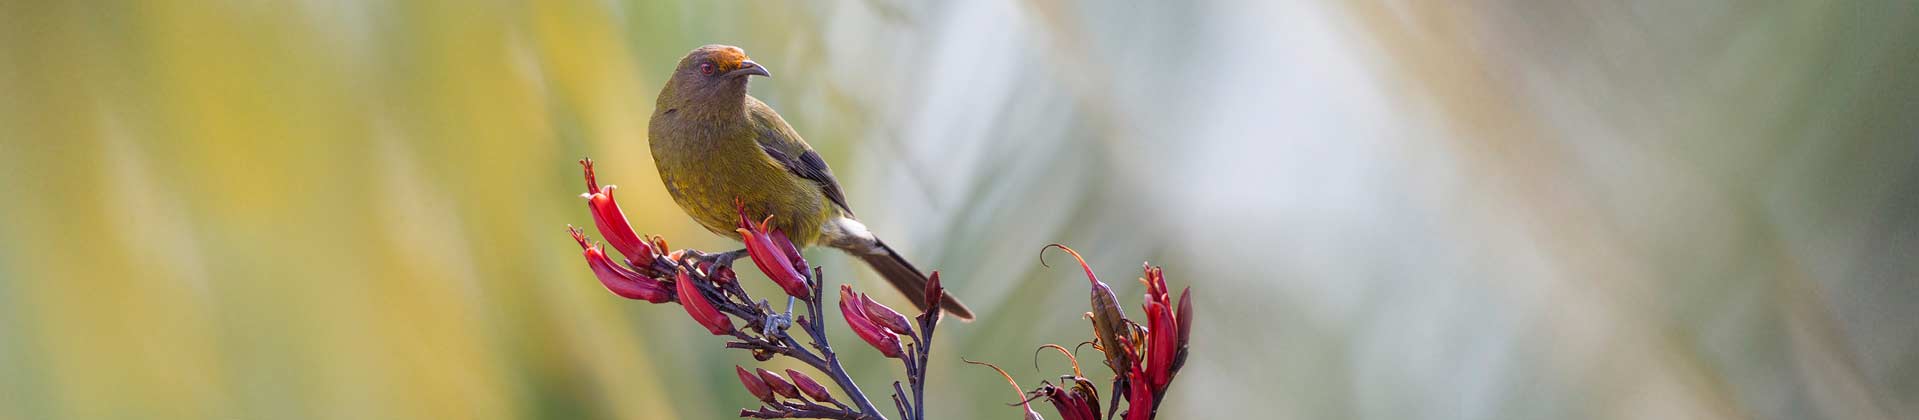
(1024, 403)
(1062, 350)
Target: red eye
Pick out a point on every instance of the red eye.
(706, 69)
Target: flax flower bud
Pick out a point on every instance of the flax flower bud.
(808, 386)
(884, 316)
(754, 384)
(778, 384)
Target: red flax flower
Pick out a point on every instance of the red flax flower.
(1167, 329)
(1144, 358)
(620, 280)
(863, 326)
(710, 293)
(612, 222)
(1072, 403)
(1138, 390)
(701, 309)
(774, 254)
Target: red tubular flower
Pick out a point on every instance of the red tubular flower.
(808, 386)
(1167, 330)
(778, 384)
(1162, 330)
(1139, 399)
(612, 222)
(772, 256)
(884, 316)
(1139, 392)
(1145, 358)
(875, 335)
(1084, 392)
(754, 384)
(1185, 320)
(787, 247)
(1071, 405)
(701, 309)
(619, 279)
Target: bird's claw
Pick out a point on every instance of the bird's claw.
(776, 321)
(723, 259)
(709, 262)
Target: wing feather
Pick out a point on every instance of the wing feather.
(785, 146)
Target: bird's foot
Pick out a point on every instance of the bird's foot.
(711, 261)
(777, 321)
(725, 259)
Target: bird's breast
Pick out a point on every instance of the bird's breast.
(707, 169)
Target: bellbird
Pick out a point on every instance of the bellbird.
(716, 146)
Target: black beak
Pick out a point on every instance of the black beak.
(749, 68)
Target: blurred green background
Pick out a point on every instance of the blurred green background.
(353, 209)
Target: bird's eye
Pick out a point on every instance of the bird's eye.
(706, 69)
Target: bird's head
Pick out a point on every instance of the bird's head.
(715, 73)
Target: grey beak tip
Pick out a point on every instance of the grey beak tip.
(750, 68)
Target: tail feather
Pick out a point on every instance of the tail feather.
(905, 277)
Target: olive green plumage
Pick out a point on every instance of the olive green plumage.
(715, 145)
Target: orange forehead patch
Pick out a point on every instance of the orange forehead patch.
(729, 58)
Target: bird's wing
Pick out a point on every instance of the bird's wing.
(785, 146)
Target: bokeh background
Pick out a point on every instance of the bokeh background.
(353, 209)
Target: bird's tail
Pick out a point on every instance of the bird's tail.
(904, 276)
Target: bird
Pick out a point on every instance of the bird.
(717, 147)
